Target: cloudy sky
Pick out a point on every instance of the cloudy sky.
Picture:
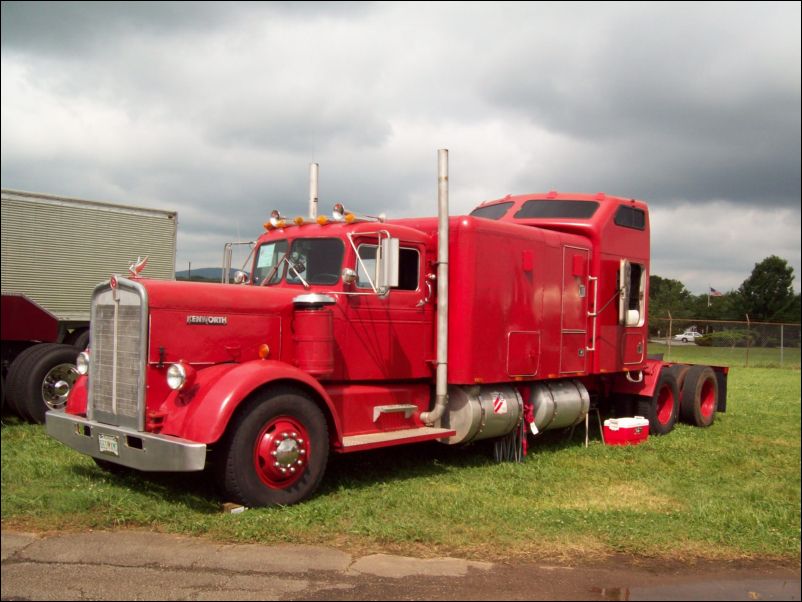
(215, 110)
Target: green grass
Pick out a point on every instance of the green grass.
(757, 357)
(730, 491)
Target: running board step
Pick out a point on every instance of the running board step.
(406, 409)
(375, 440)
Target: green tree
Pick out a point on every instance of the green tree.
(667, 295)
(768, 293)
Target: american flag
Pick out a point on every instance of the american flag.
(715, 293)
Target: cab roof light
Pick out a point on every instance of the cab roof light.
(340, 214)
(276, 220)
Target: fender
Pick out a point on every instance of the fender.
(202, 412)
(651, 372)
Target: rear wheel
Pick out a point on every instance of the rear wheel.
(699, 396)
(662, 408)
(275, 452)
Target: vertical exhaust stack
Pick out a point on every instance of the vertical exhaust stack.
(313, 189)
(441, 382)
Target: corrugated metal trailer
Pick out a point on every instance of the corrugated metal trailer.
(55, 250)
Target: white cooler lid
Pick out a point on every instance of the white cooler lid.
(625, 423)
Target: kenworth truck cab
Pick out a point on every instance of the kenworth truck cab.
(349, 334)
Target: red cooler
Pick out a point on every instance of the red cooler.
(626, 431)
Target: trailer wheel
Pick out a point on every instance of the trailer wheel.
(699, 397)
(662, 408)
(82, 340)
(17, 372)
(45, 380)
(275, 452)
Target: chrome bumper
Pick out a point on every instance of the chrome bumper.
(142, 451)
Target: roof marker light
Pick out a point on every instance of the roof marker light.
(275, 219)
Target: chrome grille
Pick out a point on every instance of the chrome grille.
(117, 354)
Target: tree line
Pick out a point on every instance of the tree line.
(767, 295)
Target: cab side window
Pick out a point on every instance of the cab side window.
(408, 269)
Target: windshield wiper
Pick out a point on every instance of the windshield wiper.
(285, 257)
(292, 267)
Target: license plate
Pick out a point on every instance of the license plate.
(108, 444)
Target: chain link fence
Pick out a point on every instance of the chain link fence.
(731, 343)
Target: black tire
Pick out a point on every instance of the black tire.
(662, 409)
(16, 376)
(680, 372)
(699, 398)
(48, 379)
(82, 340)
(275, 450)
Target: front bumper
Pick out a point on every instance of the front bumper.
(128, 447)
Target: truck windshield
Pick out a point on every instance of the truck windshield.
(305, 260)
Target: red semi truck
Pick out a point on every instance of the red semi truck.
(351, 334)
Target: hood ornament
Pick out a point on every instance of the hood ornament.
(139, 265)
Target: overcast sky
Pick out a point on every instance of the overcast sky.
(215, 110)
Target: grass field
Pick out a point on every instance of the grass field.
(727, 492)
(756, 357)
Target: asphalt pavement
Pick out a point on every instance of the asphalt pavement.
(128, 565)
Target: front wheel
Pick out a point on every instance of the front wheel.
(275, 451)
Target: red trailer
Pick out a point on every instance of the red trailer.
(350, 334)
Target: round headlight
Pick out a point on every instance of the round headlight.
(176, 376)
(82, 363)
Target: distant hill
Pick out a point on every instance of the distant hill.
(203, 274)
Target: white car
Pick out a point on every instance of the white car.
(688, 335)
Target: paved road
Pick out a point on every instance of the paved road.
(148, 566)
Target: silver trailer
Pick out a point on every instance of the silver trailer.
(55, 250)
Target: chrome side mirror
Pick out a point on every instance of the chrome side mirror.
(241, 277)
(349, 276)
(387, 265)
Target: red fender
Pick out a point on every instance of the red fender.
(650, 374)
(202, 412)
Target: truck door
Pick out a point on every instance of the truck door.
(574, 314)
(389, 337)
(632, 310)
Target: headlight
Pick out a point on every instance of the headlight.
(176, 376)
(82, 363)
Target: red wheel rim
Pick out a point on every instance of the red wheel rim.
(665, 405)
(707, 399)
(281, 452)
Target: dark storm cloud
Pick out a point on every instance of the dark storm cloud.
(62, 28)
(216, 110)
(711, 97)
